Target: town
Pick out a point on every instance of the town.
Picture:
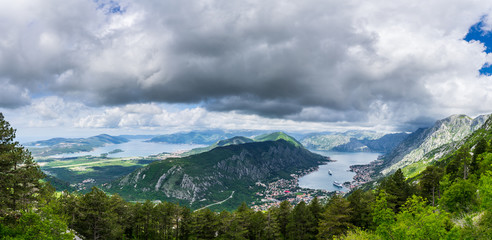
(288, 190)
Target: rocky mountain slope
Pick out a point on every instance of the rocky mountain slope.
(354, 141)
(426, 145)
(212, 176)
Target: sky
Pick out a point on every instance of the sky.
(82, 67)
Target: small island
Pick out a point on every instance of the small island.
(115, 151)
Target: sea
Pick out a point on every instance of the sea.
(133, 148)
(340, 169)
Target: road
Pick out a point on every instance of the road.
(232, 194)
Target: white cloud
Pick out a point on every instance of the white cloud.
(370, 63)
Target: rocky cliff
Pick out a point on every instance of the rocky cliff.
(354, 141)
(427, 145)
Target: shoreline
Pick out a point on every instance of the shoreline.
(363, 173)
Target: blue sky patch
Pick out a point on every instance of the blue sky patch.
(486, 69)
(111, 7)
(477, 33)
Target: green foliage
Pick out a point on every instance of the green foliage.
(397, 188)
(460, 197)
(316, 210)
(358, 234)
(96, 217)
(19, 174)
(301, 223)
(37, 225)
(485, 190)
(429, 183)
(383, 216)
(361, 203)
(206, 224)
(480, 148)
(281, 215)
(419, 221)
(335, 220)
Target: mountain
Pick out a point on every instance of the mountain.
(194, 137)
(202, 137)
(354, 141)
(240, 140)
(95, 140)
(215, 175)
(71, 145)
(277, 136)
(428, 144)
(226, 142)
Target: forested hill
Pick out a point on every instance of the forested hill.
(212, 176)
(241, 140)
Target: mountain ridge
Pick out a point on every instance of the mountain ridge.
(207, 177)
(429, 144)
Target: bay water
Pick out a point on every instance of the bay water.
(340, 169)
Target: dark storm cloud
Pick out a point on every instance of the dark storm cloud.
(11, 96)
(253, 58)
(303, 60)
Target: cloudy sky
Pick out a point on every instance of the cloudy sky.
(86, 66)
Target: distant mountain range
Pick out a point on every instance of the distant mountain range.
(351, 141)
(72, 145)
(202, 137)
(213, 175)
(354, 141)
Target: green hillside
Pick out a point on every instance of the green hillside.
(240, 140)
(208, 177)
(276, 136)
(220, 143)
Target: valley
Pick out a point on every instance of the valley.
(103, 165)
(274, 171)
(186, 172)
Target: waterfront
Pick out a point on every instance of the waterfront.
(321, 179)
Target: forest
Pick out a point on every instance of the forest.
(450, 199)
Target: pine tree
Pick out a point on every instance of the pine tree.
(205, 224)
(282, 214)
(272, 230)
(360, 204)
(19, 175)
(335, 219)
(397, 189)
(301, 223)
(429, 183)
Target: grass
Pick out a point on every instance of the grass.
(414, 169)
(101, 169)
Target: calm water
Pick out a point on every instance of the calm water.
(340, 170)
(135, 148)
